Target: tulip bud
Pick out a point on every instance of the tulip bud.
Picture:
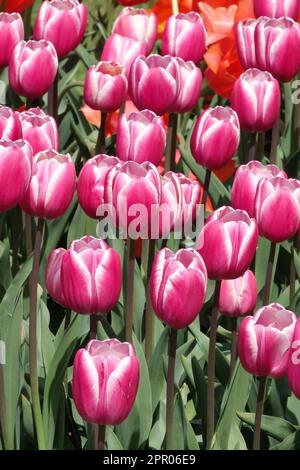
(32, 68)
(141, 137)
(105, 381)
(246, 181)
(15, 172)
(137, 24)
(53, 276)
(91, 183)
(11, 32)
(52, 185)
(191, 191)
(105, 86)
(294, 362)
(264, 341)
(277, 208)
(10, 127)
(229, 241)
(91, 276)
(215, 137)
(245, 42)
(123, 50)
(277, 8)
(256, 99)
(178, 286)
(238, 297)
(62, 22)
(185, 36)
(191, 81)
(154, 83)
(40, 130)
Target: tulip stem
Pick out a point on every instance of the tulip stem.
(275, 140)
(205, 189)
(294, 249)
(259, 412)
(4, 435)
(52, 99)
(149, 310)
(233, 345)
(28, 235)
(260, 146)
(93, 326)
(170, 388)
(100, 145)
(267, 290)
(211, 367)
(100, 443)
(16, 229)
(296, 127)
(34, 381)
(171, 143)
(129, 301)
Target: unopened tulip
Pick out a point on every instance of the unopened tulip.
(123, 50)
(245, 42)
(32, 68)
(62, 22)
(246, 181)
(106, 377)
(91, 276)
(53, 276)
(238, 297)
(191, 81)
(10, 126)
(215, 137)
(256, 99)
(39, 129)
(229, 240)
(155, 83)
(105, 86)
(277, 8)
(265, 339)
(277, 208)
(191, 191)
(15, 172)
(185, 36)
(141, 137)
(178, 286)
(137, 24)
(91, 183)
(171, 206)
(11, 32)
(294, 362)
(52, 185)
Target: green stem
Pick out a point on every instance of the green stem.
(267, 290)
(100, 145)
(171, 143)
(233, 345)
(16, 230)
(27, 22)
(52, 99)
(149, 310)
(170, 388)
(93, 326)
(275, 140)
(260, 146)
(68, 88)
(259, 412)
(28, 235)
(129, 301)
(100, 443)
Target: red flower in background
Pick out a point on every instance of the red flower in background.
(163, 9)
(15, 5)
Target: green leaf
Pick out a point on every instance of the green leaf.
(275, 427)
(291, 442)
(112, 442)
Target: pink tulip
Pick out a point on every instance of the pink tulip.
(91, 276)
(52, 185)
(238, 297)
(137, 24)
(53, 276)
(246, 181)
(264, 341)
(15, 172)
(277, 8)
(129, 3)
(171, 206)
(154, 83)
(11, 32)
(294, 362)
(123, 50)
(141, 137)
(32, 68)
(105, 86)
(215, 137)
(191, 81)
(229, 240)
(39, 129)
(256, 100)
(185, 36)
(91, 183)
(178, 286)
(105, 381)
(191, 191)
(277, 208)
(10, 127)
(245, 42)
(62, 22)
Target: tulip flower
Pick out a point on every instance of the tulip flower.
(154, 83)
(238, 297)
(215, 137)
(246, 181)
(141, 137)
(51, 187)
(185, 36)
(171, 206)
(105, 381)
(11, 32)
(105, 86)
(178, 286)
(10, 127)
(277, 208)
(53, 276)
(294, 362)
(191, 191)
(277, 8)
(191, 81)
(229, 240)
(32, 68)
(123, 50)
(265, 339)
(137, 24)
(91, 183)
(245, 42)
(63, 23)
(39, 129)
(256, 100)
(15, 172)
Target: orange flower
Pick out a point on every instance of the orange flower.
(163, 9)
(15, 5)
